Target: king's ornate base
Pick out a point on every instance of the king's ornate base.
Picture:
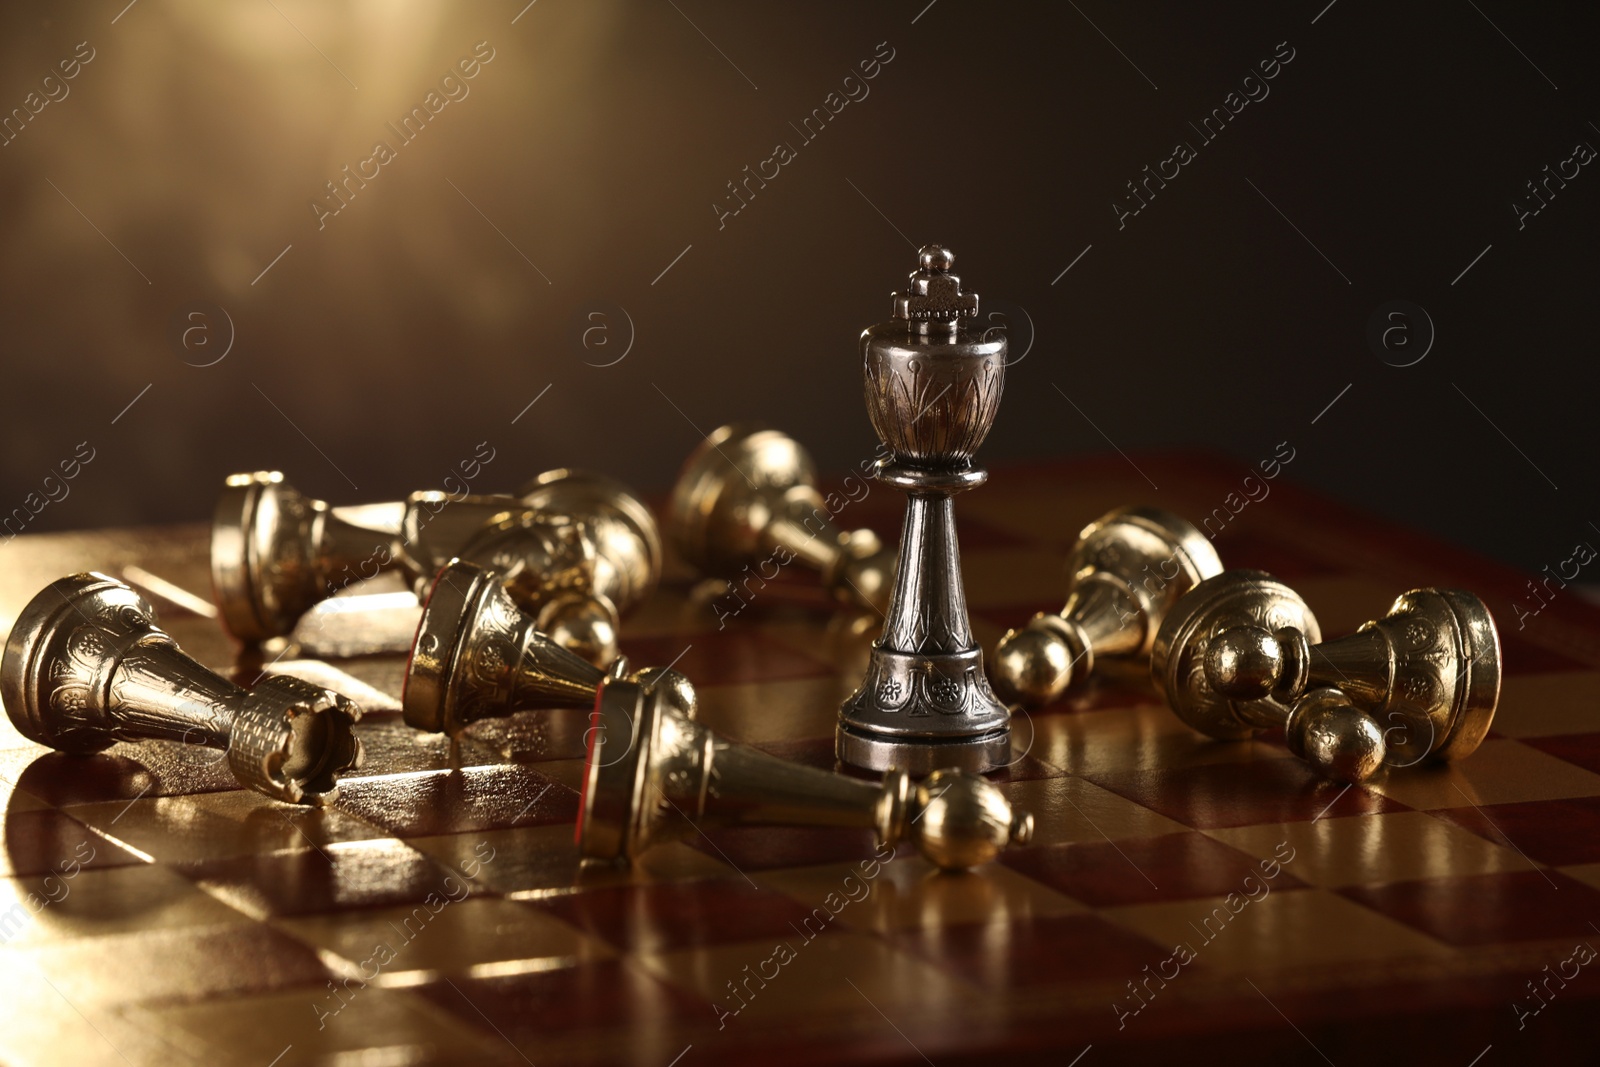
(925, 701)
(918, 713)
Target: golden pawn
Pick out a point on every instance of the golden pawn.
(653, 776)
(1243, 652)
(477, 656)
(747, 504)
(1126, 571)
(581, 598)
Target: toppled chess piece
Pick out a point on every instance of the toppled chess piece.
(1243, 652)
(579, 548)
(583, 553)
(652, 776)
(933, 383)
(747, 503)
(477, 656)
(1126, 571)
(86, 667)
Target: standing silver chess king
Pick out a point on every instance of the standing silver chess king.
(933, 382)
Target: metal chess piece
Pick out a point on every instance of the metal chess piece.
(86, 667)
(653, 775)
(578, 547)
(1127, 570)
(933, 383)
(477, 655)
(748, 498)
(604, 562)
(1243, 652)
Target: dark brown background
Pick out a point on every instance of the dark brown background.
(378, 352)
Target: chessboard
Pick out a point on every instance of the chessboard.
(1209, 900)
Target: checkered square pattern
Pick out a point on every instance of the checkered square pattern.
(1183, 898)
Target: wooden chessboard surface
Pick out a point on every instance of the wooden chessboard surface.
(153, 912)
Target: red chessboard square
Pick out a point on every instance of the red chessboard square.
(1520, 655)
(761, 848)
(184, 964)
(815, 752)
(526, 1008)
(1107, 692)
(724, 657)
(1248, 549)
(453, 802)
(1144, 870)
(792, 598)
(666, 916)
(1487, 909)
(1210, 795)
(1582, 749)
(1032, 950)
(1557, 832)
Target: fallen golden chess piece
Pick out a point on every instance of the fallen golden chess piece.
(653, 775)
(748, 498)
(477, 656)
(578, 548)
(1127, 570)
(86, 667)
(1243, 652)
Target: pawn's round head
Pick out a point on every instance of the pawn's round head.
(961, 820)
(675, 689)
(1339, 740)
(1244, 663)
(1032, 666)
(863, 571)
(583, 625)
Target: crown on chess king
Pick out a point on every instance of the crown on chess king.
(935, 298)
